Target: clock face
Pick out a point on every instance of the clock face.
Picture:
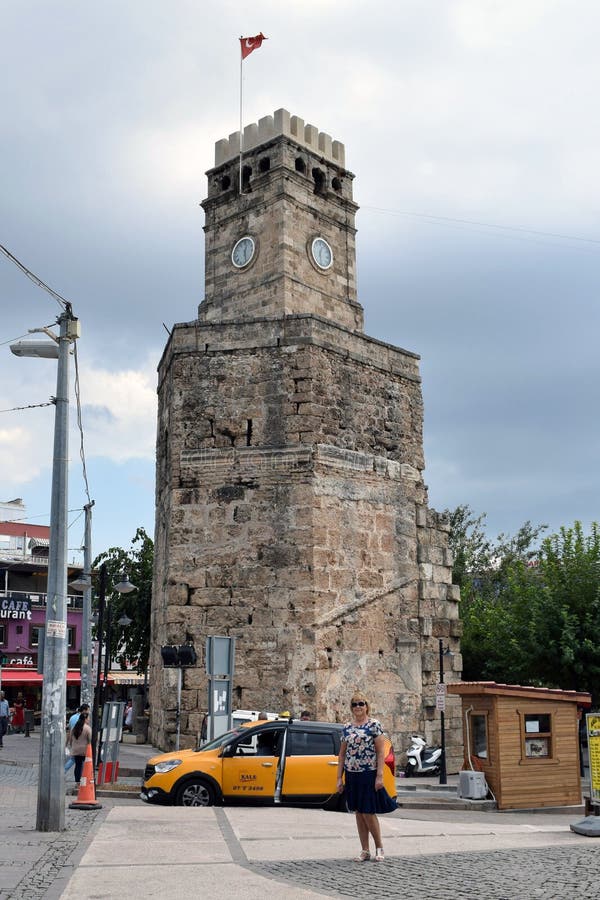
(322, 253)
(242, 252)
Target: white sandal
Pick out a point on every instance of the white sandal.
(379, 857)
(364, 856)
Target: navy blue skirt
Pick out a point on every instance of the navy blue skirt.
(362, 797)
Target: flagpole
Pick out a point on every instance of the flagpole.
(247, 45)
(241, 105)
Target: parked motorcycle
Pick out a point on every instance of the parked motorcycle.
(422, 760)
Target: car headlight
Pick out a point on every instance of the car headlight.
(166, 766)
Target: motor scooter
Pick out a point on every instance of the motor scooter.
(422, 760)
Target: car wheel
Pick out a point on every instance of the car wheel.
(195, 793)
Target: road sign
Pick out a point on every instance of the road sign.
(440, 697)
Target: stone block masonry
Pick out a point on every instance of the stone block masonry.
(286, 519)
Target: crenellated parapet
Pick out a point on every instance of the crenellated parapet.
(281, 122)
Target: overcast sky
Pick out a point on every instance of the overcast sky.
(472, 129)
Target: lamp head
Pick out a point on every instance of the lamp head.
(124, 586)
(38, 349)
(81, 583)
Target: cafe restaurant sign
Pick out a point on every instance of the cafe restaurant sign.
(15, 609)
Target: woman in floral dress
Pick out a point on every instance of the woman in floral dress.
(361, 762)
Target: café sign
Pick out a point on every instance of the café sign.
(15, 609)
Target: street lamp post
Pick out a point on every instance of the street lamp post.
(123, 586)
(51, 781)
(86, 636)
(443, 651)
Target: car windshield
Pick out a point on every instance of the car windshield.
(222, 739)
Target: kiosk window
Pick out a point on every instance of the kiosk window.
(479, 742)
(537, 735)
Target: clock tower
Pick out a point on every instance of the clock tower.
(291, 511)
(286, 244)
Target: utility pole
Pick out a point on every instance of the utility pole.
(86, 637)
(98, 701)
(51, 783)
(443, 777)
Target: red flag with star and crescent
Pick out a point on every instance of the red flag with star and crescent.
(248, 44)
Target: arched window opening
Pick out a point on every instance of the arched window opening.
(246, 175)
(319, 180)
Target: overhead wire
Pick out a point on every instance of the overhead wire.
(28, 518)
(37, 281)
(75, 520)
(29, 406)
(80, 424)
(435, 219)
(68, 307)
(12, 340)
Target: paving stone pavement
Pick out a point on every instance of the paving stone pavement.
(18, 775)
(38, 866)
(565, 873)
(35, 865)
(31, 863)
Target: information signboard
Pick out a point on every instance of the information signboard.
(220, 655)
(592, 721)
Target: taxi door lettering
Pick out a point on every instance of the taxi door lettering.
(250, 776)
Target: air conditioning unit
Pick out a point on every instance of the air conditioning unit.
(472, 785)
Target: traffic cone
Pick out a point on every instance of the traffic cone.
(86, 795)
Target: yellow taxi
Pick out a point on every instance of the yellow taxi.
(283, 762)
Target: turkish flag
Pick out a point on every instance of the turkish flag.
(249, 44)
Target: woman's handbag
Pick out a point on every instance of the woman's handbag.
(336, 802)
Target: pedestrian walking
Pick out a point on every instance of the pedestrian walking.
(77, 742)
(4, 717)
(70, 759)
(128, 716)
(18, 719)
(360, 772)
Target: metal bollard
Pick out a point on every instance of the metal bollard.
(28, 722)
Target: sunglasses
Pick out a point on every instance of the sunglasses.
(358, 703)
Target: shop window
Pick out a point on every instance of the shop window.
(536, 730)
(2, 634)
(35, 636)
(479, 736)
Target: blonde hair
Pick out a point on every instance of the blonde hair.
(358, 695)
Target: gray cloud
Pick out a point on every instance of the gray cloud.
(467, 110)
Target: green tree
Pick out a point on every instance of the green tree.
(494, 637)
(469, 544)
(567, 614)
(531, 615)
(133, 642)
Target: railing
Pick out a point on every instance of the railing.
(38, 599)
(13, 557)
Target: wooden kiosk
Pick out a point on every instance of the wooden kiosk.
(525, 740)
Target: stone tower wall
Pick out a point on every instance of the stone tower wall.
(291, 514)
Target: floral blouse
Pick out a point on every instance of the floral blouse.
(360, 745)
